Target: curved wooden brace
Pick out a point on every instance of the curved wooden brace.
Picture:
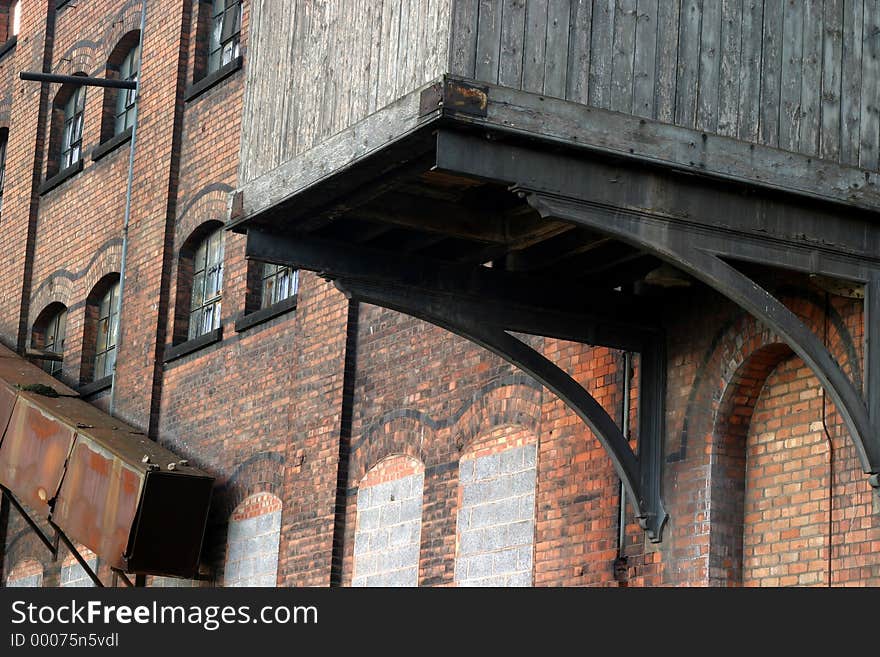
(681, 247)
(465, 322)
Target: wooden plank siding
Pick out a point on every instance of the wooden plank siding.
(316, 67)
(800, 75)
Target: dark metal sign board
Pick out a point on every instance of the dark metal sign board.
(101, 482)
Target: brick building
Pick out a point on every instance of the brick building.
(361, 435)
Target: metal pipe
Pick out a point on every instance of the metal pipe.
(127, 217)
(624, 426)
(81, 80)
(76, 555)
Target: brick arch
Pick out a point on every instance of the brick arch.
(25, 546)
(737, 339)
(261, 473)
(106, 262)
(515, 405)
(26, 568)
(56, 288)
(81, 57)
(743, 357)
(402, 435)
(728, 459)
(127, 19)
(209, 203)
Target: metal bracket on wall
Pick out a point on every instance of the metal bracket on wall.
(486, 306)
(694, 251)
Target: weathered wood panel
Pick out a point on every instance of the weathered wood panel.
(316, 67)
(802, 75)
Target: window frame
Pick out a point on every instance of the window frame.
(125, 105)
(206, 296)
(269, 277)
(72, 128)
(50, 324)
(109, 335)
(224, 36)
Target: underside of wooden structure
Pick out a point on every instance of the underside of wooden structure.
(490, 212)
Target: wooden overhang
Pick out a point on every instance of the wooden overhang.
(96, 480)
(488, 211)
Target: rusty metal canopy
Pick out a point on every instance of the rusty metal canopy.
(103, 483)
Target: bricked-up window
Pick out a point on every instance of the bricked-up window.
(278, 283)
(26, 573)
(496, 517)
(71, 133)
(126, 99)
(107, 330)
(389, 524)
(252, 542)
(225, 36)
(48, 336)
(74, 575)
(207, 286)
(4, 135)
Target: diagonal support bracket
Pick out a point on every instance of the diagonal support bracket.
(693, 251)
(484, 306)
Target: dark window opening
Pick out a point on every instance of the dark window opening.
(48, 338)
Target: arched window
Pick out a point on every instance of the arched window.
(126, 99)
(66, 135)
(107, 329)
(101, 330)
(252, 543)
(26, 573)
(47, 337)
(119, 109)
(207, 285)
(71, 135)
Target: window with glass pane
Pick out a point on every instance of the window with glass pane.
(53, 340)
(71, 139)
(207, 286)
(2, 165)
(107, 330)
(279, 283)
(126, 99)
(225, 33)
